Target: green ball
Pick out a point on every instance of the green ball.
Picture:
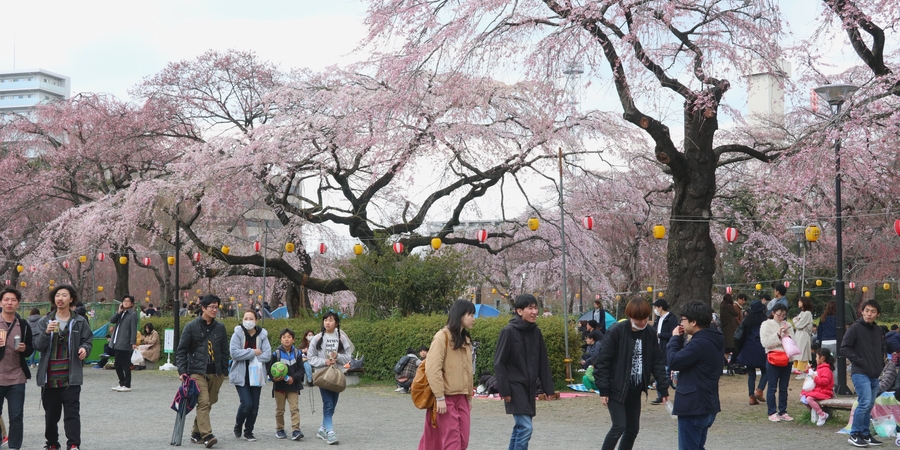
(279, 369)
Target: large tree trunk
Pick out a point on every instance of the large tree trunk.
(122, 289)
(691, 253)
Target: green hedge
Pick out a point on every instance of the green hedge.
(384, 342)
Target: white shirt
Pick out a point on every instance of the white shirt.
(659, 324)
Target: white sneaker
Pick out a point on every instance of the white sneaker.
(124, 389)
(399, 389)
(115, 388)
(822, 419)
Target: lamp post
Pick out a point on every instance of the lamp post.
(835, 95)
(800, 232)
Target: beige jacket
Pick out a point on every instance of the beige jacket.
(449, 371)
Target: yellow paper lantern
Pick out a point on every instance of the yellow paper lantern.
(649, 288)
(818, 282)
(99, 288)
(659, 294)
(865, 289)
(149, 293)
(494, 291)
(147, 299)
(436, 243)
(289, 247)
(533, 224)
(82, 259)
(659, 231)
(232, 298)
(577, 295)
(225, 249)
(251, 291)
(198, 291)
(887, 286)
(20, 268)
(358, 249)
(123, 260)
(239, 305)
(171, 260)
(259, 297)
(23, 284)
(52, 281)
(758, 286)
(806, 294)
(813, 233)
(618, 298)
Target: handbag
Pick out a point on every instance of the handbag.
(256, 372)
(330, 378)
(790, 347)
(777, 358)
(137, 358)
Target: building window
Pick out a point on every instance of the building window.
(30, 78)
(29, 95)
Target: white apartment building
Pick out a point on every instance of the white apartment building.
(20, 90)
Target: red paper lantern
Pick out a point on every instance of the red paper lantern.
(482, 235)
(196, 256)
(322, 248)
(588, 222)
(731, 234)
(146, 261)
(787, 284)
(398, 247)
(728, 290)
(32, 268)
(897, 226)
(65, 264)
(852, 285)
(834, 292)
(256, 246)
(101, 257)
(8, 282)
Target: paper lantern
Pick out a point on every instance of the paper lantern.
(123, 260)
(8, 282)
(834, 292)
(232, 299)
(731, 234)
(23, 284)
(99, 288)
(806, 294)
(82, 259)
(256, 246)
(259, 297)
(322, 248)
(251, 291)
(198, 291)
(32, 268)
(51, 282)
(897, 227)
(225, 250)
(289, 247)
(852, 285)
(171, 260)
(618, 298)
(398, 247)
(358, 249)
(818, 282)
(787, 284)
(482, 236)
(649, 288)
(758, 286)
(659, 231)
(728, 289)
(658, 294)
(101, 256)
(436, 243)
(588, 222)
(533, 224)
(813, 233)
(493, 290)
(147, 299)
(146, 261)
(865, 289)
(887, 286)
(20, 268)
(66, 265)
(149, 293)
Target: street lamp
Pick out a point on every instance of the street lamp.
(800, 232)
(835, 95)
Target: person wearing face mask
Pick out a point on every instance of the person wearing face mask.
(622, 370)
(304, 349)
(250, 351)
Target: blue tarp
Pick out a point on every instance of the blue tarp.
(101, 332)
(610, 320)
(280, 313)
(486, 311)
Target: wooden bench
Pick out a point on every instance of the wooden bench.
(844, 403)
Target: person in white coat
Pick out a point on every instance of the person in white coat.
(778, 367)
(803, 324)
(250, 351)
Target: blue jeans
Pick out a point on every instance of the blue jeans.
(779, 377)
(692, 431)
(249, 407)
(521, 433)
(308, 376)
(329, 401)
(15, 395)
(866, 390)
(34, 359)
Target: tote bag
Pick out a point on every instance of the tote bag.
(330, 378)
(790, 347)
(256, 372)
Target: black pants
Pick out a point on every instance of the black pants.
(56, 401)
(123, 367)
(626, 421)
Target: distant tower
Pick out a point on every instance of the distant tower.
(21, 90)
(766, 97)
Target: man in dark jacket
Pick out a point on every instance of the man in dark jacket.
(203, 354)
(15, 347)
(700, 365)
(864, 347)
(123, 341)
(664, 326)
(520, 359)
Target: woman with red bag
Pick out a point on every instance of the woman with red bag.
(778, 368)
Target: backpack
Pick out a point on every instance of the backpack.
(398, 368)
(420, 391)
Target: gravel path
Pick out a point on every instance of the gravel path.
(374, 417)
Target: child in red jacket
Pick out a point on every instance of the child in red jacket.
(824, 386)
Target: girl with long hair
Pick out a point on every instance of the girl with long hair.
(331, 346)
(449, 370)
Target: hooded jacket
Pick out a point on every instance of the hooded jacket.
(700, 365)
(242, 356)
(824, 383)
(520, 359)
(33, 321)
(864, 347)
(612, 371)
(80, 336)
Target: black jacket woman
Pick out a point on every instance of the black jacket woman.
(752, 353)
(630, 355)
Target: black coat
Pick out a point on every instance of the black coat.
(612, 371)
(191, 356)
(519, 360)
(27, 339)
(700, 365)
(864, 347)
(665, 333)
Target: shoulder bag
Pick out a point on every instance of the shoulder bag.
(330, 378)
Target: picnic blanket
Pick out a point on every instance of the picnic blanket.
(885, 415)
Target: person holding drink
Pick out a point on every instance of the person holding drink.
(15, 347)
